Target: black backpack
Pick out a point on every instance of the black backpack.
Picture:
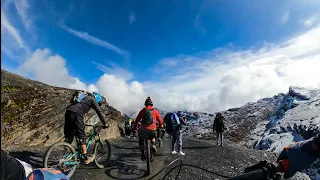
(169, 124)
(148, 117)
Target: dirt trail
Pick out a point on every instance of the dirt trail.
(125, 161)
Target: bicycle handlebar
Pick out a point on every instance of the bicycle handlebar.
(95, 125)
(263, 170)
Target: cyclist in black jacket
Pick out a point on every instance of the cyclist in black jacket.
(74, 124)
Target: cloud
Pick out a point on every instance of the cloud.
(23, 8)
(198, 25)
(87, 37)
(12, 43)
(310, 21)
(114, 69)
(7, 26)
(132, 18)
(50, 69)
(223, 78)
(124, 96)
(285, 17)
(167, 62)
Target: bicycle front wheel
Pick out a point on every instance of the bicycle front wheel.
(61, 156)
(148, 155)
(102, 152)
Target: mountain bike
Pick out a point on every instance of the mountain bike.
(71, 158)
(147, 151)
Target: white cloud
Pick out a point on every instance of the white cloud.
(23, 8)
(115, 69)
(50, 69)
(132, 18)
(12, 44)
(285, 17)
(221, 79)
(87, 37)
(7, 29)
(124, 96)
(310, 21)
(167, 62)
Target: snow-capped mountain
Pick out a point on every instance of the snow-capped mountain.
(268, 124)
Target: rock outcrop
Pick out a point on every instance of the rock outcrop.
(32, 113)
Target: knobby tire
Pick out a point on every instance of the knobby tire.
(48, 153)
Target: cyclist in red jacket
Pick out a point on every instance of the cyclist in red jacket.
(149, 117)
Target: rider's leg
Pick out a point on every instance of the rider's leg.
(141, 135)
(217, 138)
(69, 127)
(80, 133)
(173, 142)
(179, 142)
(153, 141)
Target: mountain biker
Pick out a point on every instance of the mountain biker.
(301, 155)
(127, 127)
(177, 135)
(219, 127)
(74, 120)
(148, 116)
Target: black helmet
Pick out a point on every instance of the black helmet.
(148, 102)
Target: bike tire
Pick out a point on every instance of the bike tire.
(65, 144)
(148, 156)
(107, 153)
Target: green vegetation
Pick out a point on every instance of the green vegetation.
(10, 88)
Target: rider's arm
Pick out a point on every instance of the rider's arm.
(159, 119)
(98, 110)
(137, 120)
(183, 122)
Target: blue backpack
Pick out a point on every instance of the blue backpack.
(47, 174)
(78, 96)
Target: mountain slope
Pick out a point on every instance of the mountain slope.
(268, 124)
(32, 113)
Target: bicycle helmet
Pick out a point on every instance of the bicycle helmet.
(148, 102)
(98, 97)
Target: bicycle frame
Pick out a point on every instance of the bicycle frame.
(91, 138)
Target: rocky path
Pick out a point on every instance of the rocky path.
(125, 162)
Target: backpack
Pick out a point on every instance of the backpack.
(171, 121)
(78, 96)
(148, 117)
(47, 174)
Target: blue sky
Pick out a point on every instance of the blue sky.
(151, 45)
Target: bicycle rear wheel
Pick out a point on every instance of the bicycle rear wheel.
(102, 152)
(148, 155)
(61, 156)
